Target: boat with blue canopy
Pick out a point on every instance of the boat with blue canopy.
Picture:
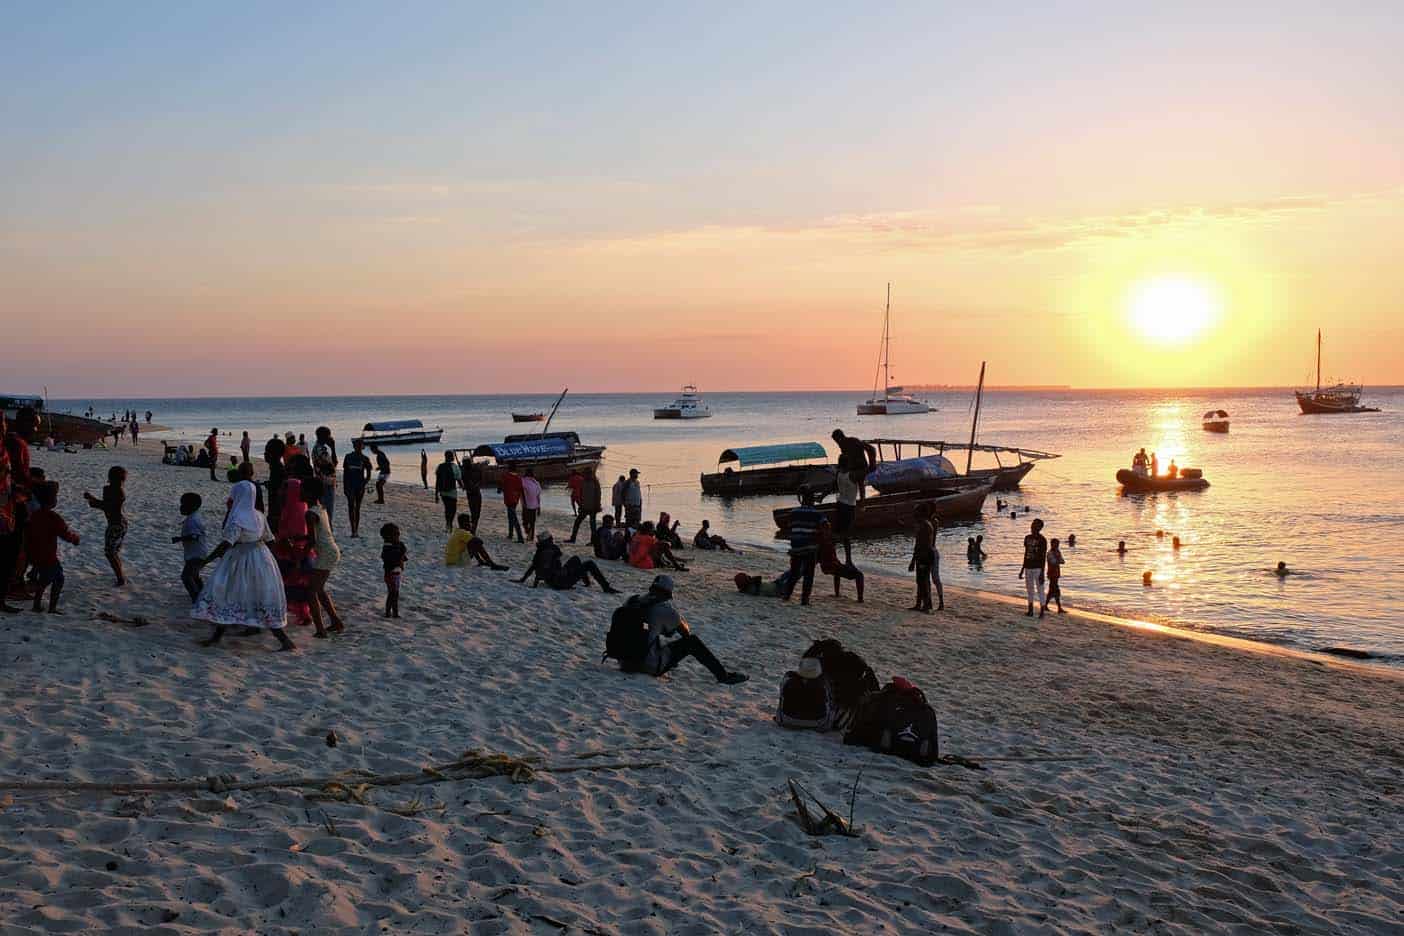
(399, 432)
(781, 468)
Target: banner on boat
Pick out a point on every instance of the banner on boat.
(525, 451)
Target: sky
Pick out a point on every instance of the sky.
(208, 199)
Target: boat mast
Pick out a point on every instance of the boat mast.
(553, 410)
(1318, 360)
(975, 421)
(887, 344)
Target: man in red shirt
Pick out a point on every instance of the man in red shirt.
(511, 487)
(45, 530)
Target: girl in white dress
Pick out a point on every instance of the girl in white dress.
(247, 588)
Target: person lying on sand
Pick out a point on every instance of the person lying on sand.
(546, 566)
(755, 585)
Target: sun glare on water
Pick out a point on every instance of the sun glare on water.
(1172, 309)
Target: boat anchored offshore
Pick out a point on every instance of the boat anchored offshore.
(894, 400)
(688, 405)
(1342, 398)
(399, 432)
(789, 466)
(1216, 421)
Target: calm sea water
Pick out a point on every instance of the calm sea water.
(1321, 493)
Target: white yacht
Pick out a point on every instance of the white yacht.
(894, 400)
(688, 405)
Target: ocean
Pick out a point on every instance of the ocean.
(1321, 493)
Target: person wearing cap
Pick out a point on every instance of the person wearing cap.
(546, 566)
(633, 499)
(663, 622)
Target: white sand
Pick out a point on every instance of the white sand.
(1217, 790)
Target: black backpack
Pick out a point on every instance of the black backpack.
(897, 721)
(627, 640)
(850, 675)
(806, 703)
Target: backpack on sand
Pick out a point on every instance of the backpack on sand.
(806, 702)
(627, 640)
(849, 674)
(897, 720)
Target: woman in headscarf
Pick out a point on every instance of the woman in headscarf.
(293, 550)
(246, 590)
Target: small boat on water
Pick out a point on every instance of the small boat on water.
(528, 417)
(62, 427)
(1342, 398)
(1190, 479)
(788, 467)
(688, 405)
(399, 432)
(1216, 421)
(894, 400)
(895, 513)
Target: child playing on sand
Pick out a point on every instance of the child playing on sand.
(326, 555)
(393, 556)
(43, 533)
(246, 589)
(111, 504)
(192, 539)
(1055, 572)
(463, 543)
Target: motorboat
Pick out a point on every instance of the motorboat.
(1216, 421)
(528, 417)
(1188, 479)
(783, 468)
(688, 405)
(895, 401)
(1341, 398)
(399, 432)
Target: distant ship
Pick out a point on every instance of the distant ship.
(689, 405)
(1341, 398)
(894, 400)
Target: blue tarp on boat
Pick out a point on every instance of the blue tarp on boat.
(773, 454)
(521, 451)
(393, 426)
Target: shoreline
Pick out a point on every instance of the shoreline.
(1133, 779)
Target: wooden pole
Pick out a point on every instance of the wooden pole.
(975, 421)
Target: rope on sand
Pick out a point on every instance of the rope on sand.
(348, 785)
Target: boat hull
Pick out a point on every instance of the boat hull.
(418, 437)
(670, 413)
(894, 513)
(1139, 484)
(528, 417)
(751, 482)
(1218, 425)
(1313, 406)
(892, 408)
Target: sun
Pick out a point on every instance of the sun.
(1172, 309)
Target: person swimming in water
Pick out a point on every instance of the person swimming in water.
(1282, 571)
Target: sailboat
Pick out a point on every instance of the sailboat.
(894, 400)
(1342, 398)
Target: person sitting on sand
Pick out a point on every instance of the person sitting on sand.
(662, 621)
(326, 556)
(667, 530)
(463, 543)
(1055, 572)
(647, 551)
(42, 536)
(112, 503)
(546, 566)
(231, 474)
(610, 541)
(246, 590)
(829, 562)
(707, 540)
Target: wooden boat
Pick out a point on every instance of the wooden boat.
(1002, 477)
(1216, 421)
(1134, 483)
(790, 466)
(528, 417)
(895, 401)
(64, 428)
(399, 432)
(894, 513)
(1342, 398)
(552, 456)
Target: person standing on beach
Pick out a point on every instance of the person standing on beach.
(616, 498)
(246, 589)
(446, 487)
(326, 557)
(511, 487)
(573, 482)
(804, 545)
(849, 485)
(531, 502)
(274, 457)
(382, 472)
(862, 457)
(134, 428)
(633, 500)
(45, 530)
(192, 541)
(472, 477)
(245, 443)
(424, 471)
(393, 556)
(113, 500)
(324, 463)
(212, 449)
(1035, 556)
(588, 502)
(1055, 572)
(13, 487)
(355, 474)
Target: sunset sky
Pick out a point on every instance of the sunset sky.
(378, 198)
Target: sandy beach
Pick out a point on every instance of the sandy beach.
(1133, 781)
